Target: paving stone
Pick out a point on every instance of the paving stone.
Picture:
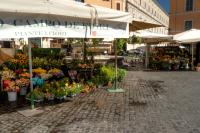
(153, 102)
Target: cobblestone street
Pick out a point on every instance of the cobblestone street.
(153, 102)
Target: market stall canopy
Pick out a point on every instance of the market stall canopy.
(60, 18)
(141, 25)
(5, 39)
(63, 8)
(150, 37)
(190, 36)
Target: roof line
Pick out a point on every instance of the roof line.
(158, 4)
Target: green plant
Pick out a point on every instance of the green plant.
(165, 65)
(74, 88)
(60, 92)
(134, 39)
(121, 74)
(36, 93)
(121, 44)
(40, 62)
(58, 89)
(53, 53)
(108, 74)
(97, 80)
(96, 41)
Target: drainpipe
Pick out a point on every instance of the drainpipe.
(175, 17)
(111, 4)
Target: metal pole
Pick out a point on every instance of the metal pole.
(192, 65)
(115, 88)
(146, 57)
(31, 74)
(84, 46)
(115, 65)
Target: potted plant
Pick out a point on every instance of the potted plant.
(60, 93)
(59, 90)
(108, 73)
(37, 94)
(49, 91)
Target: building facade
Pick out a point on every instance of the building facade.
(149, 11)
(142, 10)
(184, 15)
(114, 4)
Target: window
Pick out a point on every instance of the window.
(5, 44)
(80, 1)
(36, 42)
(118, 6)
(188, 25)
(189, 5)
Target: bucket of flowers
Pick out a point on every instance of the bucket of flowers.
(11, 88)
(23, 84)
(57, 73)
(9, 84)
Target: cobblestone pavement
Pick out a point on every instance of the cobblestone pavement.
(153, 102)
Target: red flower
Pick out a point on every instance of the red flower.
(6, 83)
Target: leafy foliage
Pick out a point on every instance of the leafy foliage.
(121, 44)
(121, 73)
(53, 53)
(134, 39)
(107, 74)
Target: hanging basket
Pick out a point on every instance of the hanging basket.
(12, 96)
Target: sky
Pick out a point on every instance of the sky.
(164, 4)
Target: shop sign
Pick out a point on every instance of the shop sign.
(30, 26)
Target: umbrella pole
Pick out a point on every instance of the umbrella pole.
(31, 74)
(146, 57)
(115, 88)
(192, 65)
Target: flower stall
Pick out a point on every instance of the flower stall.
(170, 58)
(54, 82)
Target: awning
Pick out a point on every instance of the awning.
(67, 8)
(60, 18)
(140, 25)
(150, 37)
(5, 39)
(190, 36)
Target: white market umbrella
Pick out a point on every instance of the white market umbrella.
(59, 18)
(141, 25)
(63, 8)
(189, 37)
(151, 38)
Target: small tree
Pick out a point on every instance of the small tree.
(121, 45)
(134, 39)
